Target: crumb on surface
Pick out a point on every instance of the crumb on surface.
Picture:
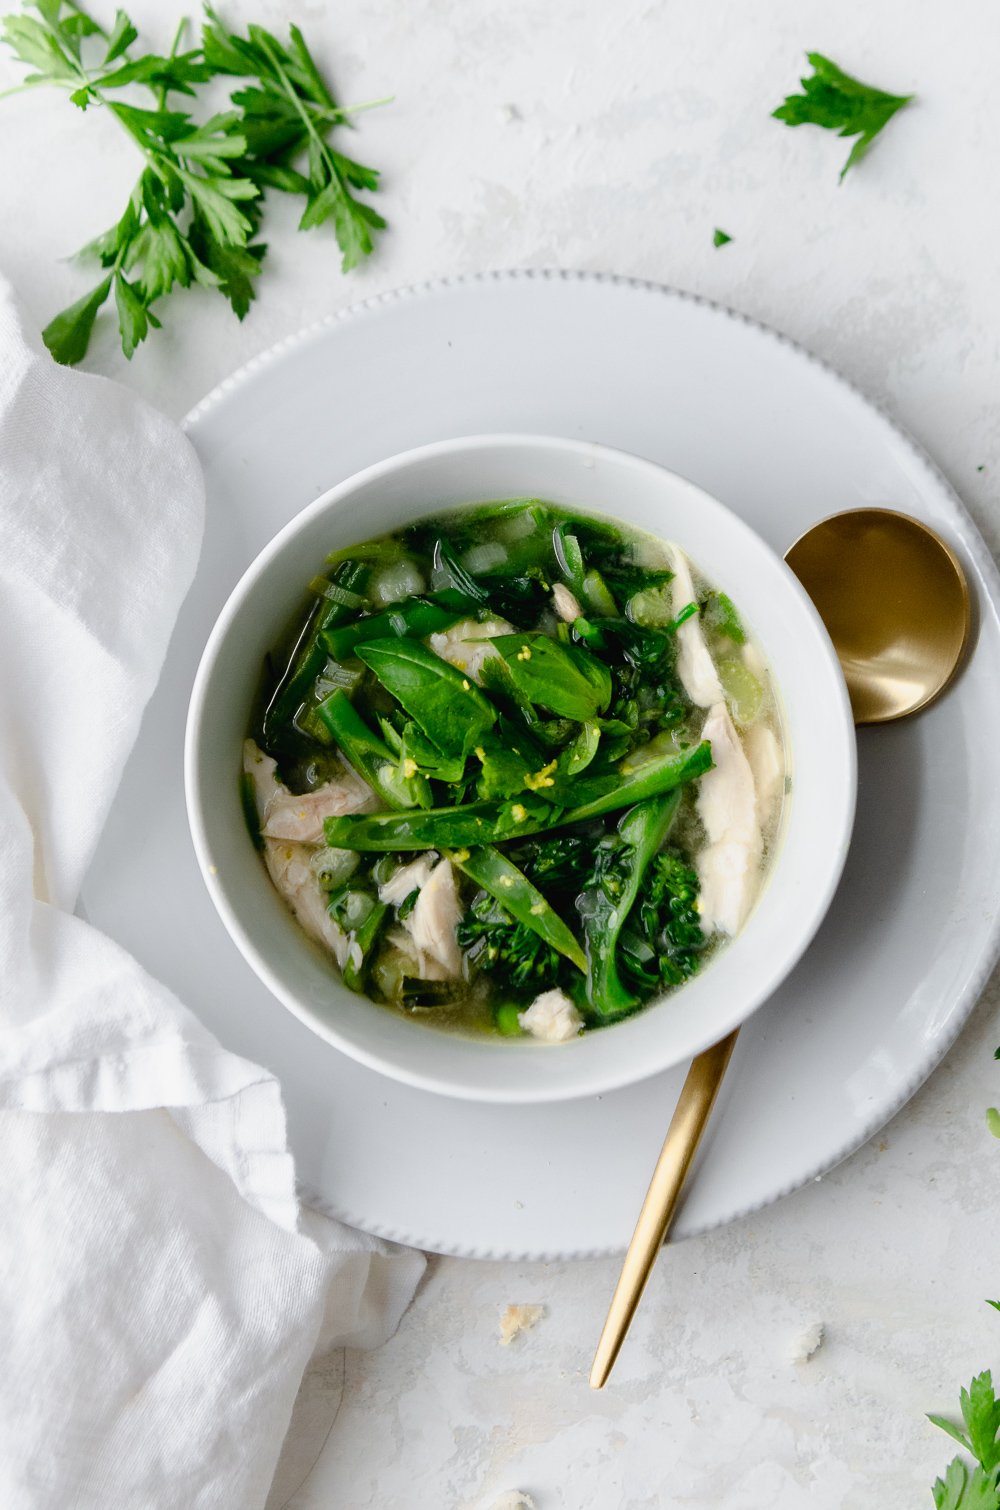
(517, 1319)
(514, 1499)
(808, 1342)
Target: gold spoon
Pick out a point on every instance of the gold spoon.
(895, 603)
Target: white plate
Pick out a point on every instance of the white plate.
(913, 931)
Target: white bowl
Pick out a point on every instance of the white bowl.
(819, 745)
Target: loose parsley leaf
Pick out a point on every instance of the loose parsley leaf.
(993, 1121)
(837, 102)
(721, 238)
(68, 335)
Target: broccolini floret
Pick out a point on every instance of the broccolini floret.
(514, 955)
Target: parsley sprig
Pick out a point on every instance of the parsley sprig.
(832, 99)
(195, 210)
(978, 1487)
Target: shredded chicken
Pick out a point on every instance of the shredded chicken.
(695, 666)
(768, 769)
(433, 921)
(300, 817)
(466, 645)
(291, 827)
(424, 966)
(407, 878)
(290, 868)
(565, 603)
(262, 770)
(551, 1017)
(729, 866)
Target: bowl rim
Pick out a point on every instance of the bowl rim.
(595, 1080)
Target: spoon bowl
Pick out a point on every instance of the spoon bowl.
(895, 602)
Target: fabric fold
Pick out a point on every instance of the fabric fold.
(160, 1289)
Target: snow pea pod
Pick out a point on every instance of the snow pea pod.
(511, 887)
(477, 823)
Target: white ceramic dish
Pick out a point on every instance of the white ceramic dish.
(819, 749)
(894, 971)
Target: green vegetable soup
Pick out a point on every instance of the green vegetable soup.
(517, 770)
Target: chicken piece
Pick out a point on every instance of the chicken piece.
(551, 1017)
(767, 767)
(729, 866)
(407, 878)
(517, 1319)
(300, 817)
(284, 815)
(466, 645)
(290, 868)
(565, 603)
(424, 967)
(433, 921)
(262, 771)
(695, 666)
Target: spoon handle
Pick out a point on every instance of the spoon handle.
(694, 1107)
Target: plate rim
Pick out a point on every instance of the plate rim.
(973, 544)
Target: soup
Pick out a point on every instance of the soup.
(518, 770)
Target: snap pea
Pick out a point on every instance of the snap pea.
(511, 887)
(494, 822)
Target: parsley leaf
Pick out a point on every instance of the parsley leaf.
(993, 1120)
(68, 335)
(721, 238)
(835, 101)
(289, 111)
(978, 1489)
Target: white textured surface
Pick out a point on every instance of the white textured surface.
(638, 129)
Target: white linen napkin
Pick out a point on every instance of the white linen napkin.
(160, 1292)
